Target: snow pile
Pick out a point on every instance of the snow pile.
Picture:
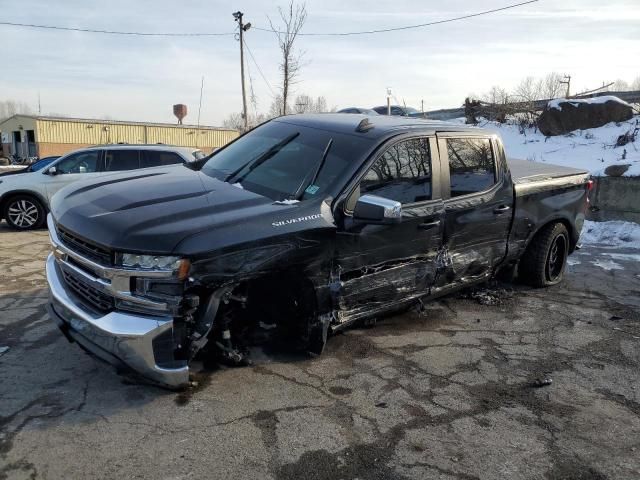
(611, 234)
(555, 104)
(592, 149)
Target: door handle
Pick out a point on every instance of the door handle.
(501, 209)
(428, 225)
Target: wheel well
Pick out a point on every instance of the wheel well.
(284, 300)
(286, 291)
(8, 196)
(573, 237)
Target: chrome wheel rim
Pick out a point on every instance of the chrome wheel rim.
(23, 213)
(555, 260)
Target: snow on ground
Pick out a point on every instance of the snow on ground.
(591, 149)
(607, 264)
(611, 234)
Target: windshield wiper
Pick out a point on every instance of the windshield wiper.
(262, 158)
(304, 185)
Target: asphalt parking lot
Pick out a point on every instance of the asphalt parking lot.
(451, 392)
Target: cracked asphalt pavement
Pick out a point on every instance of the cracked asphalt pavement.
(450, 392)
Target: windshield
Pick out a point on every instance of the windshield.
(40, 164)
(283, 161)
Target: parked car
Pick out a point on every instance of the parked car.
(34, 167)
(307, 223)
(366, 111)
(398, 110)
(24, 198)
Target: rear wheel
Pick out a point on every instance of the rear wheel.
(544, 262)
(24, 212)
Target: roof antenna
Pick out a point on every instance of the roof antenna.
(364, 126)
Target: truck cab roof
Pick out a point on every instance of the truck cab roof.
(381, 125)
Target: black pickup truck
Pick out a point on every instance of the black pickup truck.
(302, 226)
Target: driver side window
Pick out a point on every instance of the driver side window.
(82, 162)
(402, 173)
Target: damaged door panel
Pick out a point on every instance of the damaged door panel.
(294, 230)
(384, 264)
(478, 207)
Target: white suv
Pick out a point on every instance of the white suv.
(24, 198)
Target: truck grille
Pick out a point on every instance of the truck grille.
(86, 249)
(95, 298)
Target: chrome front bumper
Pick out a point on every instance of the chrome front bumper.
(121, 339)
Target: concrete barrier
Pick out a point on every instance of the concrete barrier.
(615, 198)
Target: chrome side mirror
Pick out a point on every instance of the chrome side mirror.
(377, 210)
(52, 171)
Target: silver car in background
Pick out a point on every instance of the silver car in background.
(24, 197)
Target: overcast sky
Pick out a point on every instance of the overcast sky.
(139, 78)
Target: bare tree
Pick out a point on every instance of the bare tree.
(293, 19)
(497, 95)
(235, 121)
(527, 90)
(321, 105)
(8, 108)
(551, 87)
(276, 109)
(620, 86)
(635, 85)
(303, 104)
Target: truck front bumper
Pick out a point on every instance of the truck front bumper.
(124, 340)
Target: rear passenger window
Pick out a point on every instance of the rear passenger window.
(159, 159)
(472, 165)
(403, 173)
(116, 160)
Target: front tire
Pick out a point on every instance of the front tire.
(545, 260)
(24, 212)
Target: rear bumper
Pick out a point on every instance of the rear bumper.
(121, 339)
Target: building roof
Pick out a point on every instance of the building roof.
(113, 122)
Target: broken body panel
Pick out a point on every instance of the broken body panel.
(308, 262)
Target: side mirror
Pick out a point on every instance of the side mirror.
(377, 210)
(52, 171)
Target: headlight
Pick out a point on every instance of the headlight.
(153, 262)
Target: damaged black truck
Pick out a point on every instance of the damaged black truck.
(305, 225)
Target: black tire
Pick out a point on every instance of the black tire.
(545, 260)
(24, 212)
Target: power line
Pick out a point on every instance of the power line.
(407, 27)
(114, 32)
(273, 93)
(214, 34)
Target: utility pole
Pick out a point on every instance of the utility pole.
(567, 82)
(200, 104)
(243, 28)
(388, 100)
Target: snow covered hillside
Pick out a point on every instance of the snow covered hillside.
(593, 149)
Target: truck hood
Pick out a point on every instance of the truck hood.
(153, 210)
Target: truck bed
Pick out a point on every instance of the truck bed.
(544, 192)
(526, 171)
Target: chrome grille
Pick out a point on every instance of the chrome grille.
(95, 298)
(87, 249)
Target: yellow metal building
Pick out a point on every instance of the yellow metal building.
(26, 135)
